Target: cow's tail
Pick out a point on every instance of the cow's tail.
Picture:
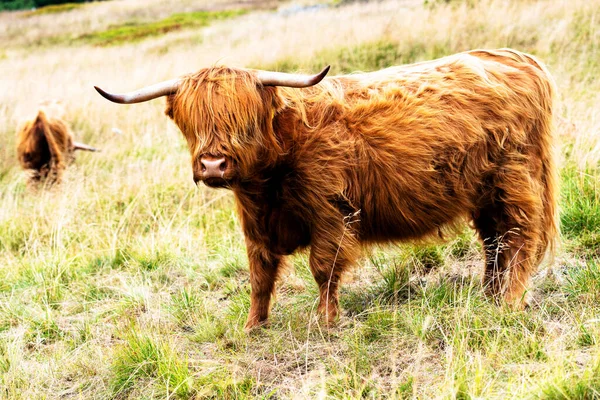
(550, 187)
(549, 180)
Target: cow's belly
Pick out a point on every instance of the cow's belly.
(387, 215)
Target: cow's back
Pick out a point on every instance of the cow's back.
(429, 136)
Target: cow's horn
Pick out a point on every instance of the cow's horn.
(268, 78)
(144, 94)
(83, 146)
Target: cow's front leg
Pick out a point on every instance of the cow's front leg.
(264, 267)
(333, 249)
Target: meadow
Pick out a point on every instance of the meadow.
(129, 282)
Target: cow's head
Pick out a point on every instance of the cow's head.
(39, 142)
(226, 116)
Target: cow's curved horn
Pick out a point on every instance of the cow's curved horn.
(83, 146)
(144, 94)
(268, 78)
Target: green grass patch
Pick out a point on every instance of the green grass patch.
(578, 386)
(4, 358)
(583, 283)
(44, 330)
(222, 384)
(209, 328)
(464, 245)
(588, 243)
(135, 31)
(580, 210)
(363, 57)
(580, 201)
(53, 9)
(368, 56)
(16, 4)
(143, 358)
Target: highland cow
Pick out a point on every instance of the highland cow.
(395, 155)
(44, 147)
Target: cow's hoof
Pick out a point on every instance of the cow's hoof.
(329, 318)
(254, 325)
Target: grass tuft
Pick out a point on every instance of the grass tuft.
(580, 202)
(44, 330)
(395, 282)
(583, 283)
(143, 358)
(578, 386)
(221, 384)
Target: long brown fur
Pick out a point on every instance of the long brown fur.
(394, 155)
(44, 147)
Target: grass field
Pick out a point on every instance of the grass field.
(127, 281)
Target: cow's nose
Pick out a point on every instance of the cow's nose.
(213, 167)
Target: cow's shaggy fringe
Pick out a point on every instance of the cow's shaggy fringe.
(414, 148)
(44, 146)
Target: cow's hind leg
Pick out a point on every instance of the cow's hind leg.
(510, 232)
(264, 268)
(486, 224)
(508, 262)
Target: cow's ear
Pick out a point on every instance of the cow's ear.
(272, 99)
(278, 102)
(274, 104)
(169, 108)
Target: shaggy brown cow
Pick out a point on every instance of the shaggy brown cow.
(397, 154)
(44, 147)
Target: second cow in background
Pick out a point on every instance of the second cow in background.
(45, 146)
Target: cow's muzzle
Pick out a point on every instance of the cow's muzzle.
(214, 171)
